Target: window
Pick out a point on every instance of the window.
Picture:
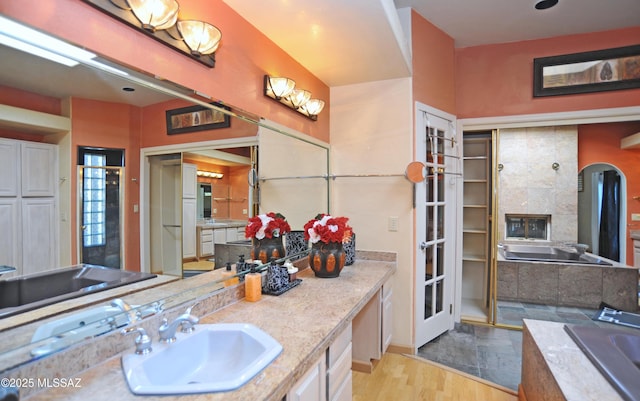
(534, 227)
(94, 200)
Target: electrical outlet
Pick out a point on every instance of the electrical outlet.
(215, 211)
(393, 223)
(244, 211)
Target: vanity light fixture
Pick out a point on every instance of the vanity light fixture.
(201, 37)
(155, 14)
(282, 90)
(209, 174)
(159, 20)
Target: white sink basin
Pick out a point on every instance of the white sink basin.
(216, 357)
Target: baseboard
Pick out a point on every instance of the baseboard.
(400, 349)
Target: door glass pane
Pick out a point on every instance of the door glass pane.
(439, 295)
(428, 301)
(428, 263)
(440, 181)
(430, 186)
(430, 223)
(440, 231)
(440, 259)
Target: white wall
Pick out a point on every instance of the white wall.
(372, 133)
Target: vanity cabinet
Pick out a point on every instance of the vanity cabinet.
(328, 379)
(205, 242)
(372, 329)
(339, 378)
(311, 386)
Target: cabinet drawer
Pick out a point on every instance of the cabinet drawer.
(339, 345)
(344, 391)
(206, 248)
(337, 373)
(206, 236)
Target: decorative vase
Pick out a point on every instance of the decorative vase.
(294, 244)
(327, 260)
(267, 248)
(350, 250)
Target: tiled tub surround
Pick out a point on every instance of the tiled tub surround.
(554, 368)
(304, 320)
(572, 284)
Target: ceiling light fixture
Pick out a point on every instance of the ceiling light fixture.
(545, 4)
(159, 19)
(282, 90)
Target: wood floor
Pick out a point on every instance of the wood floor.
(405, 378)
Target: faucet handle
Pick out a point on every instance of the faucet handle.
(142, 341)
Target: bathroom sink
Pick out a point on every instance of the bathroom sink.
(615, 353)
(214, 358)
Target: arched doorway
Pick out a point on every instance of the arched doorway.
(602, 210)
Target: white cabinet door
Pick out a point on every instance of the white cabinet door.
(11, 234)
(311, 386)
(39, 171)
(9, 167)
(387, 316)
(39, 239)
(220, 236)
(189, 228)
(189, 181)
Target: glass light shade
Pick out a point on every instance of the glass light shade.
(314, 106)
(281, 86)
(201, 37)
(155, 14)
(299, 97)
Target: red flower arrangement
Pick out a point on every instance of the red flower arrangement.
(327, 229)
(270, 225)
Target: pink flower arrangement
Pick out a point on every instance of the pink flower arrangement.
(327, 229)
(270, 225)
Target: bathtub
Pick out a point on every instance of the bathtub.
(25, 293)
(564, 276)
(547, 253)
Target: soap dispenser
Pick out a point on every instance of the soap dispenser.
(253, 285)
(230, 276)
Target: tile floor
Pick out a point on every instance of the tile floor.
(495, 354)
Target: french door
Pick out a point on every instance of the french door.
(436, 223)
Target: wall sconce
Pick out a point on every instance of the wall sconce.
(159, 20)
(283, 90)
(209, 174)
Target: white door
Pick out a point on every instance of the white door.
(436, 225)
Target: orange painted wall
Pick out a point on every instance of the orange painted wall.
(600, 143)
(497, 80)
(111, 125)
(433, 65)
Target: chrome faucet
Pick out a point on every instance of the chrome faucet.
(167, 330)
(126, 308)
(142, 341)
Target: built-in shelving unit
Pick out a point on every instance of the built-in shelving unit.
(476, 226)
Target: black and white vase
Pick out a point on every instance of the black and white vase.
(294, 244)
(350, 250)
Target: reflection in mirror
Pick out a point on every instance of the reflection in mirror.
(24, 77)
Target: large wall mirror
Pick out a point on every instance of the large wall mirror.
(289, 170)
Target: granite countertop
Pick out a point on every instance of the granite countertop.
(558, 369)
(222, 224)
(305, 320)
(635, 234)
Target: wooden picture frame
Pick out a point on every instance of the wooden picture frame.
(196, 118)
(595, 71)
